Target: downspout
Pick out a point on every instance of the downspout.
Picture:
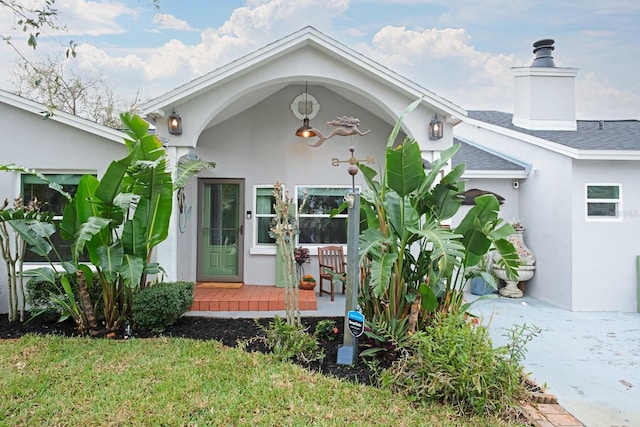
(638, 282)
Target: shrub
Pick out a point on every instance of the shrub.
(326, 330)
(289, 342)
(160, 305)
(453, 361)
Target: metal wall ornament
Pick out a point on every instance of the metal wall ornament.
(344, 126)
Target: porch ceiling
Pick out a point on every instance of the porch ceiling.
(258, 95)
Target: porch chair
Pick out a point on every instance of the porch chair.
(332, 267)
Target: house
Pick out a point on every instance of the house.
(244, 117)
(576, 194)
(564, 178)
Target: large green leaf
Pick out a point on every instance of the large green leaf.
(131, 270)
(381, 269)
(405, 170)
(111, 258)
(70, 224)
(396, 128)
(52, 185)
(87, 231)
(42, 274)
(445, 200)
(446, 249)
(437, 165)
(31, 231)
(429, 301)
(133, 238)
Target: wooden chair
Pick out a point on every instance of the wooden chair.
(332, 267)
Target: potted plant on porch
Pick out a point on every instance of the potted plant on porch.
(307, 282)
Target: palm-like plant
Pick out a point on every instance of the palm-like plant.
(415, 265)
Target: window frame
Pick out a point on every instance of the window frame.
(257, 247)
(57, 217)
(314, 246)
(616, 201)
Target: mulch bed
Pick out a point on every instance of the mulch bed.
(227, 331)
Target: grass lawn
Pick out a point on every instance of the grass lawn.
(52, 380)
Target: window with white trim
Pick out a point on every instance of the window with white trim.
(264, 215)
(317, 227)
(604, 201)
(34, 188)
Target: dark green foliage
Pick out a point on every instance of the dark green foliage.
(160, 305)
(288, 342)
(40, 303)
(453, 361)
(326, 330)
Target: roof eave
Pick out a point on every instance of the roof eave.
(495, 174)
(62, 117)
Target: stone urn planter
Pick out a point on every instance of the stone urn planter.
(526, 268)
(511, 289)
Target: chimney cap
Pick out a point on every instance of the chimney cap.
(542, 49)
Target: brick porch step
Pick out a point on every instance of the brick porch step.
(247, 298)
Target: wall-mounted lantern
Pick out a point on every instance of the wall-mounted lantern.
(435, 128)
(174, 122)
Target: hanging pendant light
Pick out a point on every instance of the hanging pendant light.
(305, 131)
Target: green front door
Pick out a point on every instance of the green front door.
(220, 230)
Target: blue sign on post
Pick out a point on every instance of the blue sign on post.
(356, 323)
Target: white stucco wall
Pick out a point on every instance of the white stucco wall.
(604, 252)
(49, 147)
(544, 208)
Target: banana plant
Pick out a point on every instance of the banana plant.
(414, 263)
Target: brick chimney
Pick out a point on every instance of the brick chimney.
(544, 95)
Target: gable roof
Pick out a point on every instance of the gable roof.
(61, 117)
(618, 139)
(307, 36)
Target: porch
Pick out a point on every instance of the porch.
(215, 299)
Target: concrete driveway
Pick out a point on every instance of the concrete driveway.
(589, 360)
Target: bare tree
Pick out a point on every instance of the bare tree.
(88, 96)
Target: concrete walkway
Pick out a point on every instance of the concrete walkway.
(589, 360)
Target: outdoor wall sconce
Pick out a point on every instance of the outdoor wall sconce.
(435, 128)
(305, 131)
(174, 122)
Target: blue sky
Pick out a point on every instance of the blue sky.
(461, 50)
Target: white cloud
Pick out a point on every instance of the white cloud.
(170, 22)
(93, 18)
(599, 100)
(262, 18)
(445, 62)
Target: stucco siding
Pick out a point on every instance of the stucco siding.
(604, 252)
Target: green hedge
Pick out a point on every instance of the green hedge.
(160, 305)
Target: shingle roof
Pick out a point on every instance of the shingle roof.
(615, 135)
(478, 159)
